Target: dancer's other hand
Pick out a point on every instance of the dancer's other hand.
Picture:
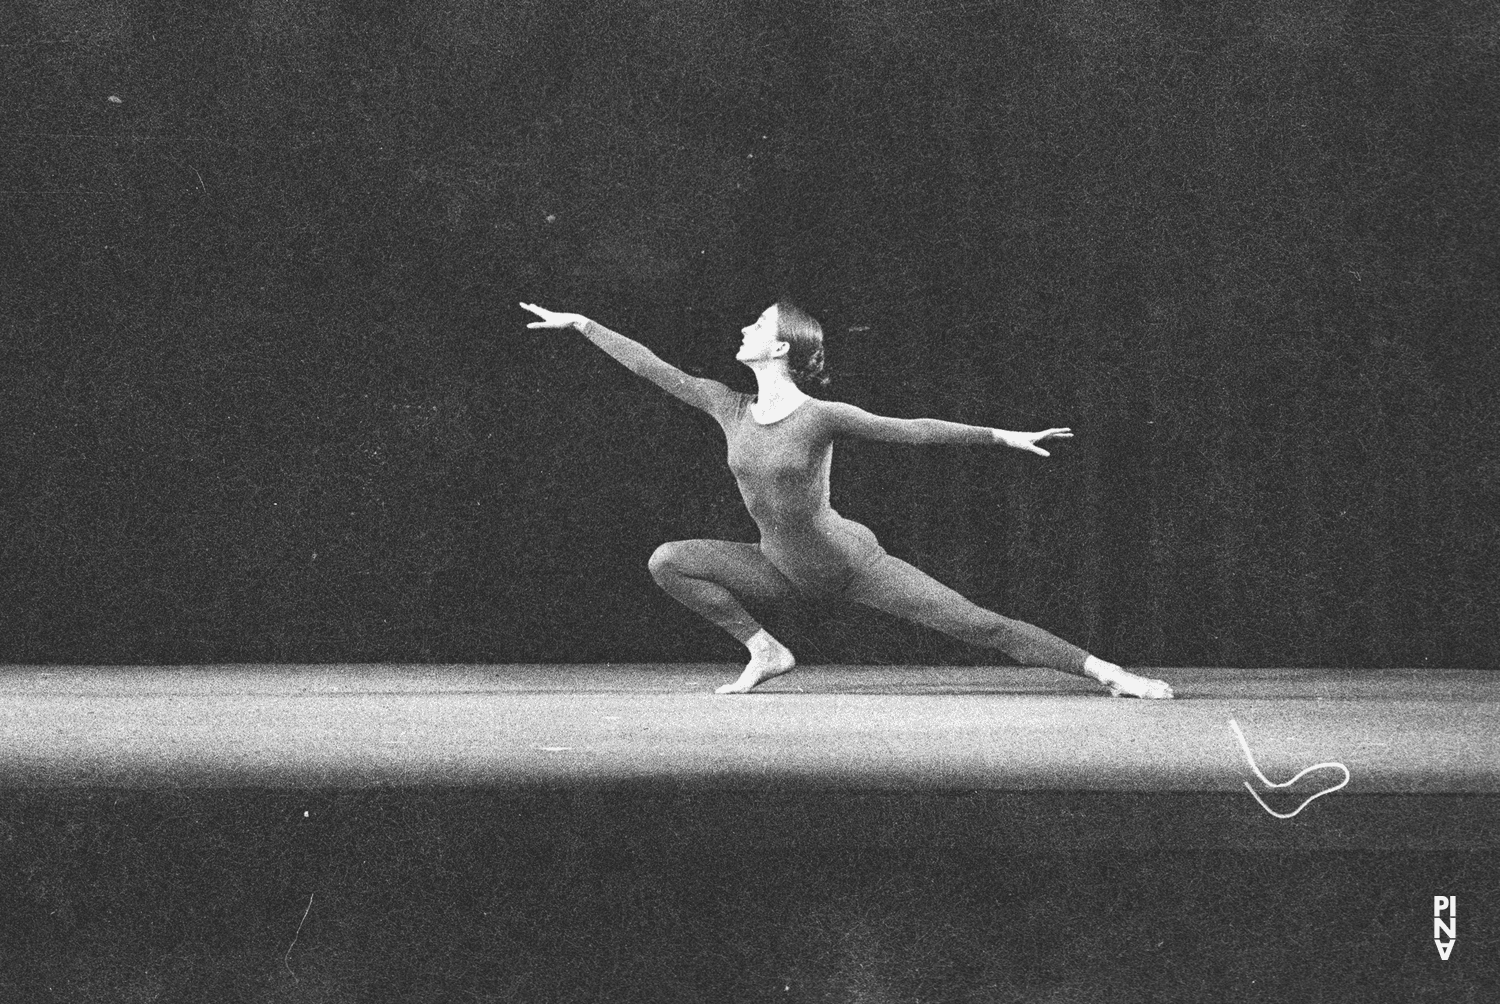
(554, 319)
(1028, 440)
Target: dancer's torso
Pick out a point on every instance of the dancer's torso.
(783, 475)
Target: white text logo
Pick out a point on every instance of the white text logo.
(1444, 928)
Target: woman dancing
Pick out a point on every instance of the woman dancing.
(780, 452)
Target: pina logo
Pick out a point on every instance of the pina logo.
(1444, 924)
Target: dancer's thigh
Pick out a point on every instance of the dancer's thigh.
(903, 590)
(740, 568)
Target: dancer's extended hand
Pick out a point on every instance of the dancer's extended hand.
(553, 319)
(1028, 440)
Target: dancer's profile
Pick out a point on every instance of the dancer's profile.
(780, 452)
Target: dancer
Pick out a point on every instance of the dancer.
(780, 452)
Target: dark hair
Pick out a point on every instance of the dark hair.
(804, 334)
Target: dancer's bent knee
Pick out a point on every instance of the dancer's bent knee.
(665, 561)
(693, 584)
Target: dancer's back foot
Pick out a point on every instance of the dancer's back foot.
(1143, 687)
(1122, 683)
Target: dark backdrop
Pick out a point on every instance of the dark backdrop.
(268, 395)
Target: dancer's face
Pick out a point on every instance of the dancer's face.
(761, 343)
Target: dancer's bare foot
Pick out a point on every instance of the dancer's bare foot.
(1125, 684)
(768, 658)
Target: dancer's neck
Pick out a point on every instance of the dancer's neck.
(777, 394)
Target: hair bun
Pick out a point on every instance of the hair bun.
(805, 335)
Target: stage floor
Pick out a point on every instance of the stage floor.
(1405, 732)
(619, 832)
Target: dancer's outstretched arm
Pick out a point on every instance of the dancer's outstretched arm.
(848, 420)
(699, 392)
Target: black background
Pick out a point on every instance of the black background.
(268, 395)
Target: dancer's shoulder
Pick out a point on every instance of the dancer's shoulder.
(730, 405)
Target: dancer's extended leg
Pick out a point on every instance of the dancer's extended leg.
(717, 578)
(901, 589)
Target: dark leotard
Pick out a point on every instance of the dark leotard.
(782, 469)
(783, 473)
